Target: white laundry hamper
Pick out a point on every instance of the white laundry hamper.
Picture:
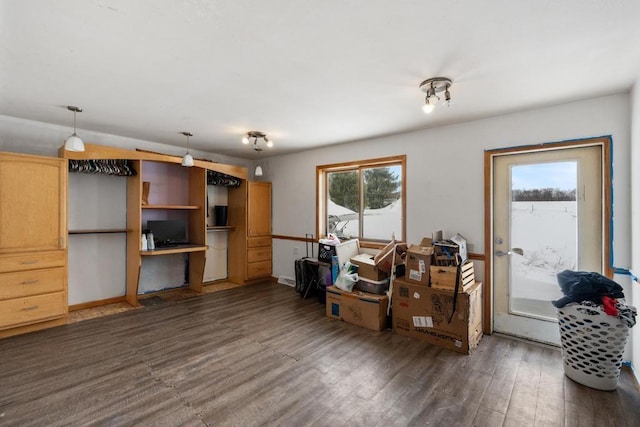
(592, 345)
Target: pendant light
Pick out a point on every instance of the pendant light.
(74, 142)
(187, 160)
(257, 137)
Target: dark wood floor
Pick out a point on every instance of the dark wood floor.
(259, 355)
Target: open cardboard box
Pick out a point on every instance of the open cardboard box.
(418, 261)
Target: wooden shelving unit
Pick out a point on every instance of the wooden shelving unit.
(184, 197)
(220, 228)
(174, 250)
(98, 231)
(170, 207)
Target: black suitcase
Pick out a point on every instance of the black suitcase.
(305, 277)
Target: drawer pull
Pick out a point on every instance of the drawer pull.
(31, 261)
(30, 308)
(30, 282)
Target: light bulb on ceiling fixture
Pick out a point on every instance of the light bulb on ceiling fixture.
(74, 142)
(447, 96)
(257, 136)
(432, 87)
(427, 107)
(187, 160)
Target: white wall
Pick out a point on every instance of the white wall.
(445, 173)
(635, 221)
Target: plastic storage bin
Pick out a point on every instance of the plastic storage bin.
(592, 345)
(379, 287)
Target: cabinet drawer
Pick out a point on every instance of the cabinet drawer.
(258, 269)
(31, 282)
(21, 311)
(254, 242)
(259, 254)
(31, 261)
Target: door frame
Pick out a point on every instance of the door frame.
(607, 221)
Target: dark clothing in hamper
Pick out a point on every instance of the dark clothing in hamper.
(581, 286)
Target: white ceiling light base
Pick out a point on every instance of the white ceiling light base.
(432, 87)
(74, 142)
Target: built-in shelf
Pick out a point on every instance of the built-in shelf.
(175, 250)
(182, 207)
(220, 228)
(99, 231)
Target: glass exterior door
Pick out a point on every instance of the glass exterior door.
(547, 218)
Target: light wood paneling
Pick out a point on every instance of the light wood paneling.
(259, 209)
(33, 242)
(33, 194)
(32, 282)
(250, 242)
(32, 260)
(20, 311)
(254, 242)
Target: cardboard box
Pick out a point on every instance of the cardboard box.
(447, 277)
(417, 262)
(367, 267)
(358, 308)
(385, 259)
(423, 313)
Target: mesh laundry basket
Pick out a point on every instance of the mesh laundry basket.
(592, 345)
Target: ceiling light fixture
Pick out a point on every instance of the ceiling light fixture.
(432, 87)
(187, 160)
(74, 142)
(257, 135)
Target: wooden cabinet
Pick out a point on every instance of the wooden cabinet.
(33, 256)
(250, 255)
(175, 193)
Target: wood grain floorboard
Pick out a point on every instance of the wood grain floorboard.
(259, 355)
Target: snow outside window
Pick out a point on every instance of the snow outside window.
(364, 200)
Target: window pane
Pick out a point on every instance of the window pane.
(544, 223)
(382, 216)
(343, 204)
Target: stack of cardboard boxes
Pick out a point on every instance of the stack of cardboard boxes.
(368, 304)
(437, 300)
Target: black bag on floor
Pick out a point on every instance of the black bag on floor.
(301, 283)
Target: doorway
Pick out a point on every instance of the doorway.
(548, 213)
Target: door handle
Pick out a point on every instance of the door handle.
(517, 251)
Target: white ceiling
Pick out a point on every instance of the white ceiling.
(308, 73)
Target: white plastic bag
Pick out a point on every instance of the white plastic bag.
(346, 280)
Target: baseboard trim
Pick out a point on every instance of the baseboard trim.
(98, 303)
